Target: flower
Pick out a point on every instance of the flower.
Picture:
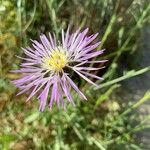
(45, 63)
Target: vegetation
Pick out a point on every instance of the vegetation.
(104, 121)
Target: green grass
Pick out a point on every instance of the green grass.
(103, 122)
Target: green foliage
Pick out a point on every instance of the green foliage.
(101, 123)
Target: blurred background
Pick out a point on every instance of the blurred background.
(116, 116)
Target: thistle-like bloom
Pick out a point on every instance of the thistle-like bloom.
(45, 63)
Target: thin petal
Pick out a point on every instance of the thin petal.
(63, 39)
(44, 95)
(46, 43)
(88, 49)
(29, 53)
(76, 88)
(91, 55)
(85, 78)
(91, 75)
(67, 36)
(52, 41)
(66, 90)
(88, 68)
(35, 90)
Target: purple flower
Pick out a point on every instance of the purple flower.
(45, 64)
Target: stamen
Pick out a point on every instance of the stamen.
(56, 61)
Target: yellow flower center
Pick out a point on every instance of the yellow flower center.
(56, 61)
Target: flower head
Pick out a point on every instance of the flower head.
(44, 66)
